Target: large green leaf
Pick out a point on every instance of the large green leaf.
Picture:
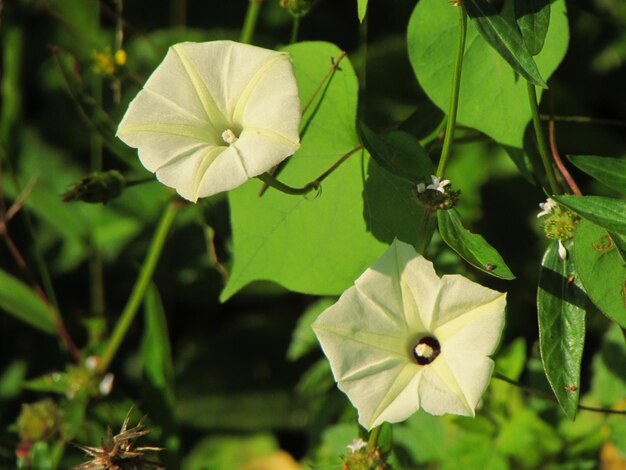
(21, 301)
(608, 171)
(533, 19)
(561, 303)
(601, 270)
(317, 245)
(504, 38)
(604, 211)
(493, 98)
(472, 247)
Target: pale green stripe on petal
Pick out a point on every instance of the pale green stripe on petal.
(396, 387)
(450, 328)
(395, 318)
(242, 102)
(210, 156)
(202, 134)
(441, 368)
(391, 344)
(372, 368)
(270, 134)
(213, 113)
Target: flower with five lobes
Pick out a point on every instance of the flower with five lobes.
(402, 338)
(214, 114)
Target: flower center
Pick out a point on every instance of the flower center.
(229, 136)
(426, 350)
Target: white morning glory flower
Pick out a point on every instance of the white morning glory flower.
(402, 339)
(547, 207)
(214, 114)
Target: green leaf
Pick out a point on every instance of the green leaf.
(303, 339)
(362, 5)
(604, 211)
(472, 247)
(609, 171)
(533, 19)
(561, 312)
(19, 300)
(399, 153)
(492, 99)
(158, 376)
(504, 38)
(601, 270)
(317, 245)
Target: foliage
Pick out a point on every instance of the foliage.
(222, 359)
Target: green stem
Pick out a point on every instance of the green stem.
(96, 276)
(372, 442)
(454, 94)
(541, 142)
(546, 396)
(139, 290)
(249, 24)
(295, 28)
(270, 180)
(284, 188)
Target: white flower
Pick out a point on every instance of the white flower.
(214, 114)
(547, 207)
(402, 339)
(357, 444)
(437, 184)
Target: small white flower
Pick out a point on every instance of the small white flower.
(357, 444)
(547, 207)
(106, 384)
(214, 114)
(437, 184)
(421, 187)
(562, 250)
(402, 339)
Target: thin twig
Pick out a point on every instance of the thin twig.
(585, 120)
(546, 396)
(557, 158)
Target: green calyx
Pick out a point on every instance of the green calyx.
(560, 224)
(96, 187)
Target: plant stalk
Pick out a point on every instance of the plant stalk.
(541, 142)
(139, 290)
(249, 23)
(454, 94)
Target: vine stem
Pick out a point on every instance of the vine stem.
(541, 142)
(139, 290)
(249, 24)
(372, 442)
(454, 94)
(270, 180)
(546, 396)
(295, 29)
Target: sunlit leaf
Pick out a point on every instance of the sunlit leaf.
(362, 6)
(561, 312)
(601, 269)
(472, 247)
(608, 171)
(504, 38)
(493, 98)
(606, 212)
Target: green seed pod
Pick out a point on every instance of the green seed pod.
(96, 187)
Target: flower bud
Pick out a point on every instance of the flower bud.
(96, 187)
(38, 421)
(297, 8)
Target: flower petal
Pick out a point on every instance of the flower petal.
(388, 395)
(459, 295)
(439, 391)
